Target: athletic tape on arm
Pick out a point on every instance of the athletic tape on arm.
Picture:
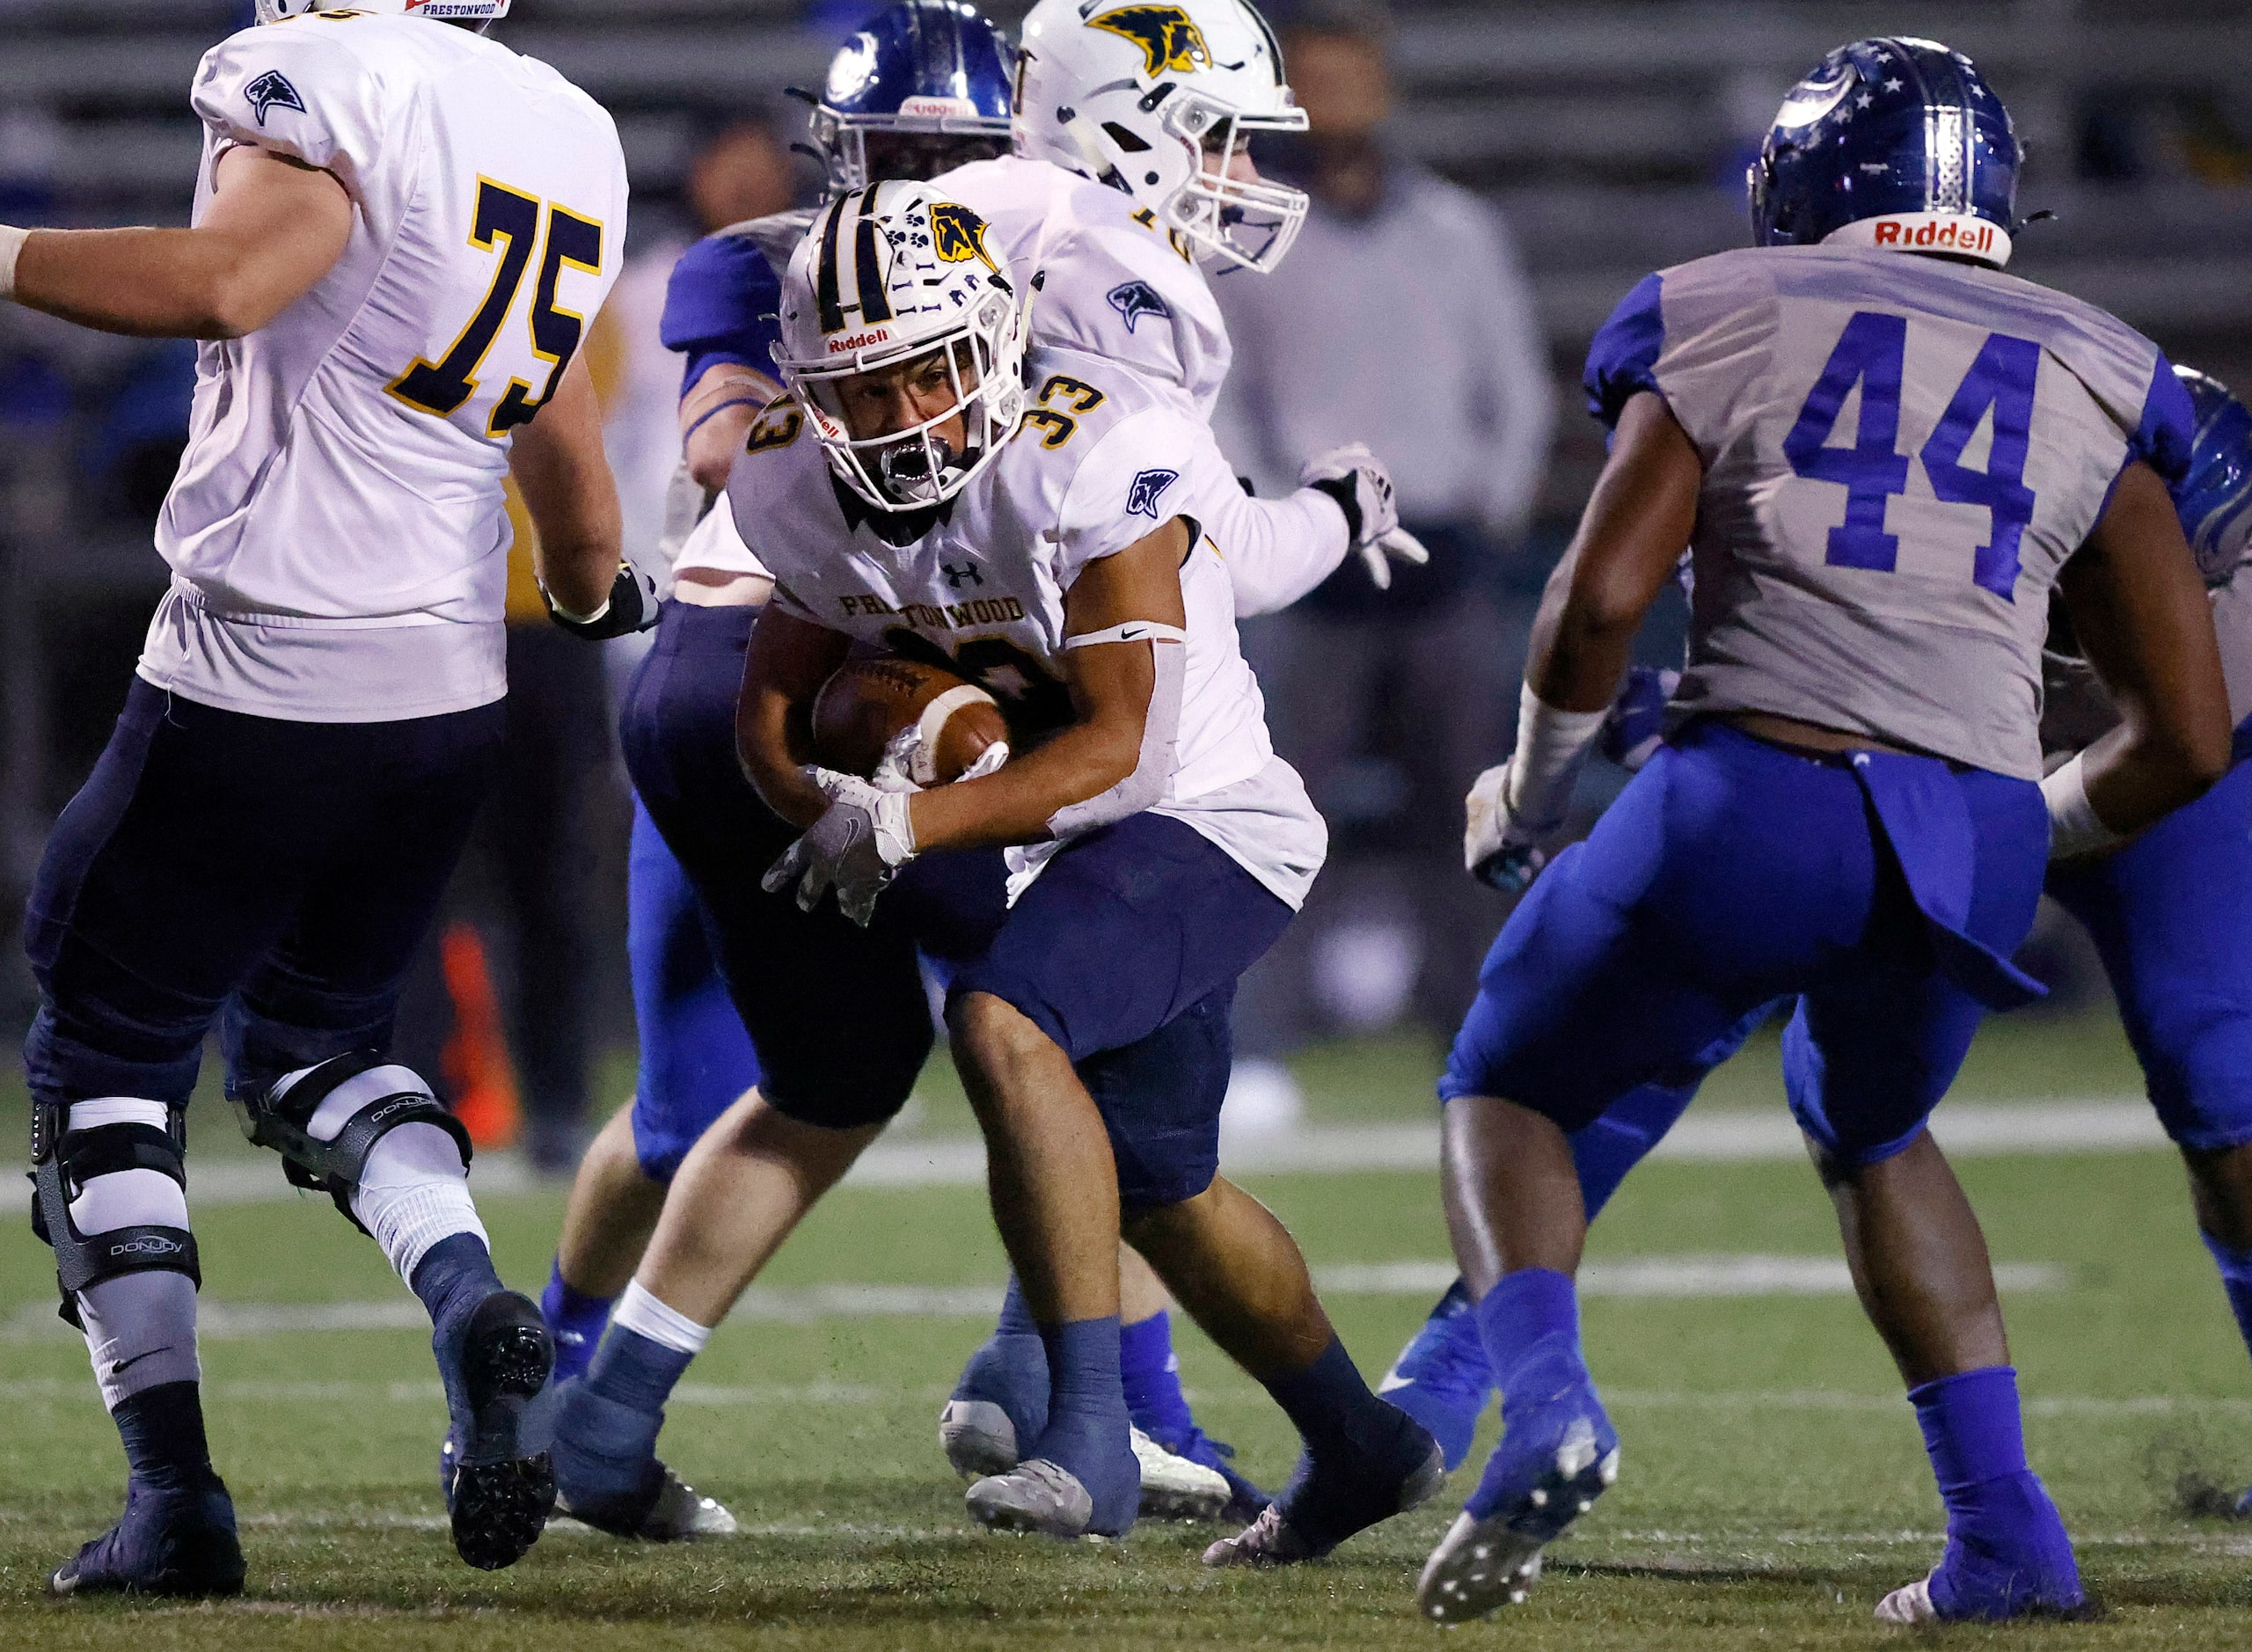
(11, 246)
(1160, 728)
(1552, 745)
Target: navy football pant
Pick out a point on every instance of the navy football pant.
(838, 1014)
(1126, 950)
(274, 876)
(1883, 891)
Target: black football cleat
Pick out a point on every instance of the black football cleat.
(177, 1543)
(495, 1360)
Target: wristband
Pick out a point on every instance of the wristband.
(2074, 828)
(699, 422)
(1551, 746)
(11, 245)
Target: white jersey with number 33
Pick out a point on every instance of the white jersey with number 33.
(337, 532)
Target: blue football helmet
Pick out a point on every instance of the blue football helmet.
(1890, 142)
(2214, 500)
(931, 77)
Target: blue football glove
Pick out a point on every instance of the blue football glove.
(1631, 733)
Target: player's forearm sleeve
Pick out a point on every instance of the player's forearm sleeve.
(11, 246)
(1160, 729)
(1276, 550)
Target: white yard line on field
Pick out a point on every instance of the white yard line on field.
(1964, 1128)
(1646, 1276)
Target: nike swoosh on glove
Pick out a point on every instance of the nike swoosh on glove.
(1499, 850)
(857, 848)
(1356, 480)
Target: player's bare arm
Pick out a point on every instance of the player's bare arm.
(559, 466)
(715, 416)
(275, 226)
(1640, 515)
(1112, 685)
(2140, 612)
(789, 660)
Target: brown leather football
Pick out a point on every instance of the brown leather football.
(868, 701)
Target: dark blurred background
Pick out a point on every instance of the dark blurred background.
(1601, 140)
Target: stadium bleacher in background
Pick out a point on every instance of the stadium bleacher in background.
(1612, 132)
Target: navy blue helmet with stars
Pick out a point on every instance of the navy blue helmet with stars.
(1890, 143)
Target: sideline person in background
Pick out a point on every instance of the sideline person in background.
(1404, 322)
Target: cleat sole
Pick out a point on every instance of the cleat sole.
(1482, 1566)
(502, 1493)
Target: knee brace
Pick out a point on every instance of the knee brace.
(324, 1120)
(110, 1185)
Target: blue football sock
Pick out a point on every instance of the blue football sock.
(454, 1276)
(1016, 1317)
(1152, 1374)
(2235, 1279)
(1518, 1315)
(162, 1431)
(636, 1371)
(1334, 1411)
(1362, 1455)
(2006, 1545)
(1087, 1421)
(1530, 1324)
(575, 1319)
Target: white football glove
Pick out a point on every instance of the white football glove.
(1356, 480)
(857, 848)
(1499, 851)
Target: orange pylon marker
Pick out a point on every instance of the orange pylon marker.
(476, 1058)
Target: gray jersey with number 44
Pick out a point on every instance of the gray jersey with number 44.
(1899, 454)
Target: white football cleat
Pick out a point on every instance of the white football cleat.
(1173, 1488)
(980, 1443)
(1910, 1605)
(977, 1437)
(1037, 1497)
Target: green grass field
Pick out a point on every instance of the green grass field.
(1773, 1485)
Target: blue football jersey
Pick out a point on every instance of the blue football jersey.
(724, 299)
(1899, 454)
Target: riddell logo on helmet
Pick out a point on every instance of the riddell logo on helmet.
(1949, 234)
(934, 108)
(853, 341)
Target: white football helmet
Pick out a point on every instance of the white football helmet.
(892, 273)
(1160, 100)
(478, 11)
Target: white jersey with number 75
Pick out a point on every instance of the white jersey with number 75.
(346, 463)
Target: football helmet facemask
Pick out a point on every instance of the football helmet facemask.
(888, 275)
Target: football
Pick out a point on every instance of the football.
(868, 701)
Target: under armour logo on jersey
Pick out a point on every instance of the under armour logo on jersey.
(1169, 41)
(956, 576)
(271, 89)
(1137, 299)
(1148, 488)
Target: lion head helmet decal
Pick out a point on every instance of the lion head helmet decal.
(958, 235)
(1170, 40)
